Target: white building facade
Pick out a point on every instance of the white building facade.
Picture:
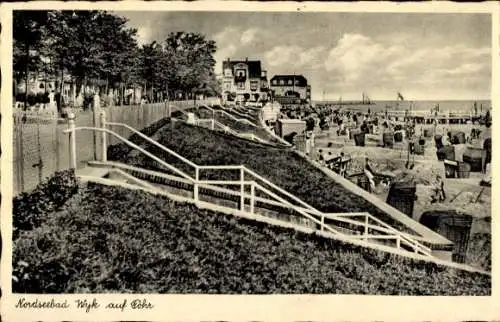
(244, 81)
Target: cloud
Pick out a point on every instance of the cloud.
(248, 36)
(362, 63)
(231, 41)
(358, 57)
(228, 35)
(295, 57)
(281, 55)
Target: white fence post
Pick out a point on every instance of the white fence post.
(252, 198)
(366, 228)
(398, 241)
(104, 138)
(322, 222)
(242, 190)
(72, 140)
(197, 175)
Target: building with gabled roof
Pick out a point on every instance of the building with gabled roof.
(290, 89)
(244, 80)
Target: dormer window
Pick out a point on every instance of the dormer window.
(228, 72)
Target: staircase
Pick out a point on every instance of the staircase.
(251, 196)
(214, 124)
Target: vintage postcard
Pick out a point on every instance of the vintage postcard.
(248, 161)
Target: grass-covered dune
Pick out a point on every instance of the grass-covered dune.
(98, 239)
(238, 126)
(281, 166)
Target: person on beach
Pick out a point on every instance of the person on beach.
(341, 130)
(343, 165)
(321, 159)
(364, 127)
(438, 190)
(447, 139)
(369, 173)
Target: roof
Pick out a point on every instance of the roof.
(254, 66)
(302, 80)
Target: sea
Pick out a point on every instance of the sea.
(419, 105)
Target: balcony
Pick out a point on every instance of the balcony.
(240, 78)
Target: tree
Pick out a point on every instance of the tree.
(191, 56)
(28, 31)
(93, 46)
(150, 66)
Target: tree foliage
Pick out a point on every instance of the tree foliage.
(99, 48)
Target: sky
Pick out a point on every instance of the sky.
(422, 55)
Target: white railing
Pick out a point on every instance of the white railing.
(214, 124)
(248, 178)
(214, 111)
(72, 131)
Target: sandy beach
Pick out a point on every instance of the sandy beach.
(463, 195)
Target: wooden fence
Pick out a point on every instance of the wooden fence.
(40, 148)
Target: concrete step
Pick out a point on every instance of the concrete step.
(90, 171)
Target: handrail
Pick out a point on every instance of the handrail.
(416, 245)
(138, 148)
(227, 128)
(231, 116)
(147, 138)
(243, 117)
(386, 228)
(255, 175)
(220, 167)
(403, 234)
(196, 181)
(305, 214)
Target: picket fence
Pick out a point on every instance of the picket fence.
(41, 148)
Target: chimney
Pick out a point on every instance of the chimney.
(246, 59)
(263, 73)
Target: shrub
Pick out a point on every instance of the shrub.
(30, 209)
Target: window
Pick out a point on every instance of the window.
(254, 85)
(41, 85)
(282, 82)
(241, 85)
(227, 72)
(296, 82)
(290, 82)
(227, 85)
(240, 73)
(275, 82)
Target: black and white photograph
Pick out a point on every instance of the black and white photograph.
(256, 152)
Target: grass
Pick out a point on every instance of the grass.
(109, 239)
